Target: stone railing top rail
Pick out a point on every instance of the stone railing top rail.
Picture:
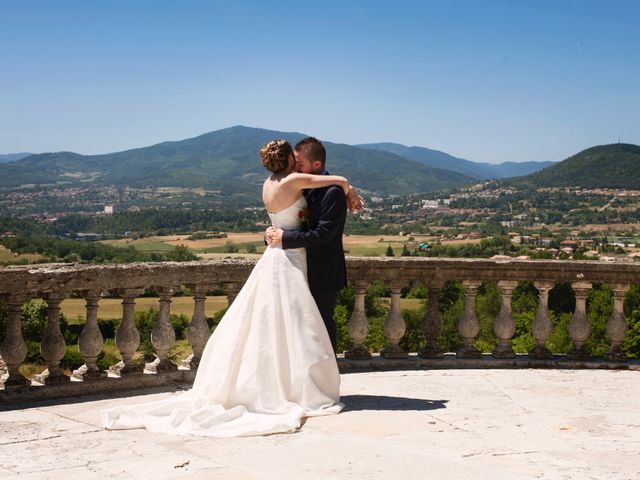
(73, 277)
(442, 269)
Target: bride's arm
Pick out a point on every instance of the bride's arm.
(303, 181)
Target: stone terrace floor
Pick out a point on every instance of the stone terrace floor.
(438, 424)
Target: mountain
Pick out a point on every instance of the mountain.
(438, 159)
(225, 160)
(517, 169)
(12, 157)
(605, 166)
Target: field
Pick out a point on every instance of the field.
(372, 245)
(354, 245)
(213, 248)
(74, 308)
(204, 248)
(7, 256)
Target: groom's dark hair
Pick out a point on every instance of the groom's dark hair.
(313, 148)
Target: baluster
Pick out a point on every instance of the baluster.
(90, 341)
(358, 324)
(163, 337)
(541, 327)
(394, 326)
(579, 327)
(14, 349)
(53, 345)
(617, 325)
(468, 325)
(432, 323)
(504, 327)
(198, 331)
(127, 335)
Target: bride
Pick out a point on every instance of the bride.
(270, 362)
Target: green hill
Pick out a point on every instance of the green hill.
(225, 160)
(605, 166)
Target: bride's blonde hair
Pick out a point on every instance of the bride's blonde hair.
(275, 155)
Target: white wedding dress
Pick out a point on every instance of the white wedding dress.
(268, 364)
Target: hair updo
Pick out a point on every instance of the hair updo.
(275, 155)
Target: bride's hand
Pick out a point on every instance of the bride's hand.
(355, 202)
(274, 236)
(267, 232)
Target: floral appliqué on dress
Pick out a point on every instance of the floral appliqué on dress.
(303, 217)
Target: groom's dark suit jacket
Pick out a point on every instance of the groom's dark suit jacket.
(326, 268)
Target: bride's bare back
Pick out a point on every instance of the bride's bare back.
(282, 190)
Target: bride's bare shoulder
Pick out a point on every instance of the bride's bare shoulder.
(267, 189)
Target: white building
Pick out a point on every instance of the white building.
(430, 203)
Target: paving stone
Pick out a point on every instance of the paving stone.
(440, 424)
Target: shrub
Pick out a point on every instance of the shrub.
(106, 360)
(108, 327)
(72, 358)
(599, 309)
(523, 340)
(487, 308)
(230, 247)
(180, 324)
(375, 340)
(145, 321)
(418, 290)
(215, 320)
(379, 289)
(413, 340)
(450, 308)
(559, 340)
(33, 353)
(181, 253)
(341, 317)
(561, 298)
(198, 236)
(72, 332)
(34, 321)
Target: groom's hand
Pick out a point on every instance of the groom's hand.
(274, 236)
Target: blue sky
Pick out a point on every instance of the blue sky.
(485, 80)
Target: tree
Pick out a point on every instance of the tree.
(181, 253)
(230, 247)
(389, 252)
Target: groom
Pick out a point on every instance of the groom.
(326, 268)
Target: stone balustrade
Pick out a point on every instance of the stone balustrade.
(55, 282)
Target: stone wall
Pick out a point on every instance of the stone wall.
(55, 282)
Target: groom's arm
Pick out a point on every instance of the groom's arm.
(333, 212)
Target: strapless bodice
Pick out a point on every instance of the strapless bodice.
(291, 217)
